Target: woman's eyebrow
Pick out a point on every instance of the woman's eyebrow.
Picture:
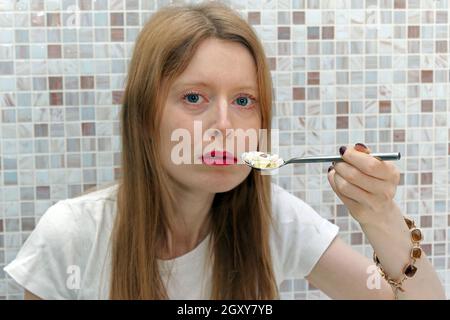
(205, 84)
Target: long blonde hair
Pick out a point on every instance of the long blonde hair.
(240, 218)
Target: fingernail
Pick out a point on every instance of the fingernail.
(333, 163)
(342, 150)
(330, 168)
(362, 148)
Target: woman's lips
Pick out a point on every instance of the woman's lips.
(218, 158)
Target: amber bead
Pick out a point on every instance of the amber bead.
(416, 235)
(416, 253)
(410, 223)
(410, 271)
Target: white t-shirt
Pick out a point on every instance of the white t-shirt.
(67, 256)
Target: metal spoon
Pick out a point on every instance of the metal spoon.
(338, 158)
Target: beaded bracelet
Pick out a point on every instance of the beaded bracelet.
(409, 270)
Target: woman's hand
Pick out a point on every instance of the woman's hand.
(365, 184)
(367, 187)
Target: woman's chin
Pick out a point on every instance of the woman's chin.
(216, 182)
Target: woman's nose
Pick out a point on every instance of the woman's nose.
(222, 115)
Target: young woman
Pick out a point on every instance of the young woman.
(212, 230)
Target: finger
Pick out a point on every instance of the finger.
(350, 190)
(355, 176)
(366, 163)
(344, 199)
(396, 174)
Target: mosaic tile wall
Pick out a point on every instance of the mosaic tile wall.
(345, 71)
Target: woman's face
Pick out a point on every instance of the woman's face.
(215, 95)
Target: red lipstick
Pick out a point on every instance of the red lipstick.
(218, 158)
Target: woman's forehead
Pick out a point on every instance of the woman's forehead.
(220, 62)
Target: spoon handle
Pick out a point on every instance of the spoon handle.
(380, 156)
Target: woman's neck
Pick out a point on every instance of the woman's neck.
(192, 221)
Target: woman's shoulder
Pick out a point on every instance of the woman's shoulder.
(93, 204)
(64, 239)
(106, 192)
(80, 216)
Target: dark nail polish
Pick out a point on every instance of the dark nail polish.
(359, 144)
(330, 168)
(333, 163)
(342, 150)
(361, 148)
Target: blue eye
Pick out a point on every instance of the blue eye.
(246, 101)
(192, 97)
(242, 100)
